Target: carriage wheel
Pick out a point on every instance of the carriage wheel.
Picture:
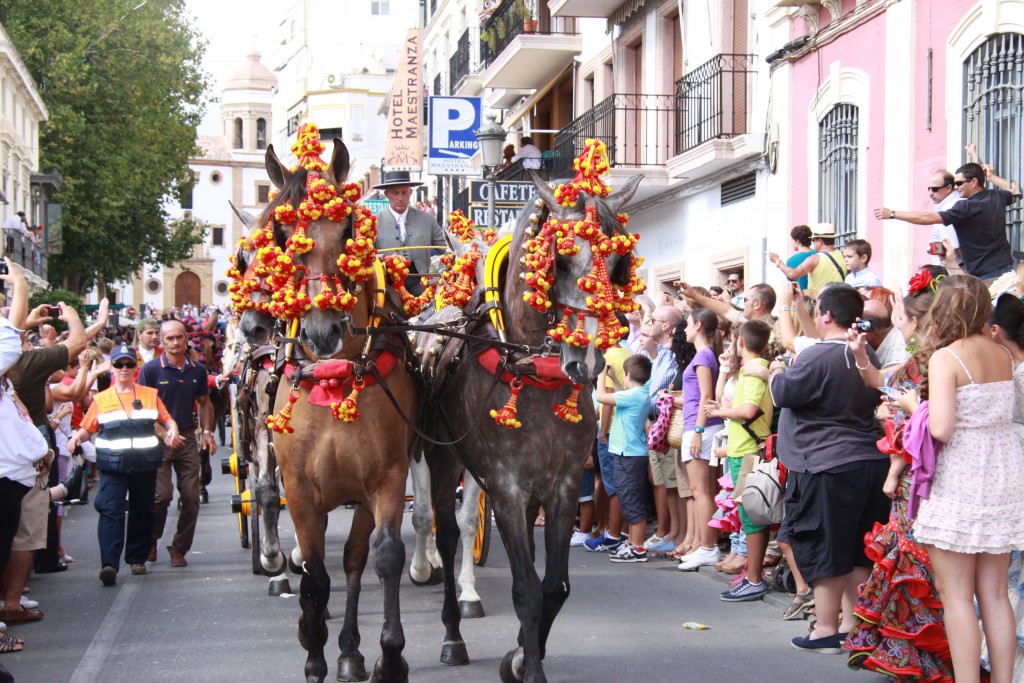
(482, 541)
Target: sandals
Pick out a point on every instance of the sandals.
(678, 554)
(539, 521)
(9, 643)
(798, 608)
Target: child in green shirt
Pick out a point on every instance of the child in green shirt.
(751, 401)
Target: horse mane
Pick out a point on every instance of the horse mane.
(293, 192)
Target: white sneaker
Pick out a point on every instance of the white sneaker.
(29, 604)
(701, 557)
(655, 539)
(578, 537)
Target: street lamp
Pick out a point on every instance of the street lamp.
(491, 137)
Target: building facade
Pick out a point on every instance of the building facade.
(230, 168)
(22, 187)
(747, 117)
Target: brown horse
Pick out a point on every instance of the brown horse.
(540, 463)
(326, 462)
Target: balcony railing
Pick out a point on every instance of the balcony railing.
(638, 130)
(712, 101)
(25, 253)
(439, 85)
(461, 63)
(519, 170)
(512, 18)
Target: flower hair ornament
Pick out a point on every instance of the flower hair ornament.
(923, 280)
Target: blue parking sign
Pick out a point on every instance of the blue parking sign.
(452, 143)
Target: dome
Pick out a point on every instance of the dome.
(252, 76)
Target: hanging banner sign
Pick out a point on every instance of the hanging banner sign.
(402, 149)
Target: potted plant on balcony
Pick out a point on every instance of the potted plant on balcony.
(525, 9)
(489, 36)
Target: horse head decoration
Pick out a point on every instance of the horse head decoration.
(248, 292)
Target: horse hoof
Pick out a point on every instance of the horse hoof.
(511, 668)
(272, 566)
(435, 577)
(351, 668)
(454, 654)
(471, 609)
(399, 676)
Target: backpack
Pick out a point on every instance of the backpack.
(764, 495)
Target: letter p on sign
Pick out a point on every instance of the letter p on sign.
(454, 116)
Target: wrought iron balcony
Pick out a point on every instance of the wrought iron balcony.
(712, 101)
(638, 130)
(512, 18)
(461, 63)
(25, 253)
(439, 85)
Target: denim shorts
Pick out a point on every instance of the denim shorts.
(587, 486)
(631, 476)
(604, 457)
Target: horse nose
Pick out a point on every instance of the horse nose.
(324, 338)
(578, 372)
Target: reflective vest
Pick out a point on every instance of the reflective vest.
(127, 444)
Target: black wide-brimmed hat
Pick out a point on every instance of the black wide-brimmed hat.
(396, 179)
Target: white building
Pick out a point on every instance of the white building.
(21, 112)
(230, 167)
(339, 76)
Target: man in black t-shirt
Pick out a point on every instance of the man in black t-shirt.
(979, 220)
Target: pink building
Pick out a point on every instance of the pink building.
(871, 97)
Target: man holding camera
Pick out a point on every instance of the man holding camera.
(29, 377)
(827, 434)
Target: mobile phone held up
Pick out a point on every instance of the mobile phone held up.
(3, 268)
(864, 325)
(936, 249)
(53, 311)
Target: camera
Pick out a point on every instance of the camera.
(786, 360)
(864, 325)
(3, 268)
(936, 249)
(53, 311)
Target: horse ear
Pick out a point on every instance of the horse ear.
(617, 200)
(248, 219)
(340, 161)
(547, 195)
(277, 171)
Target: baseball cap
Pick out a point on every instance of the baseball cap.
(121, 352)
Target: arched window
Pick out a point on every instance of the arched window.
(238, 134)
(261, 133)
(837, 171)
(992, 111)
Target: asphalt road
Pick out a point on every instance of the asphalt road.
(214, 621)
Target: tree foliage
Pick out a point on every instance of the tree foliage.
(125, 90)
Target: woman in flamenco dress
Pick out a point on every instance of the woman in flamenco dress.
(900, 630)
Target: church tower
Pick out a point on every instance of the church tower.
(245, 109)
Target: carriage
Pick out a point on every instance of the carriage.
(354, 397)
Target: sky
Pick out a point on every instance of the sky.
(233, 28)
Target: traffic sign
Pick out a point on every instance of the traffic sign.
(452, 143)
(131, 312)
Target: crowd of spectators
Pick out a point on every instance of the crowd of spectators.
(895, 415)
(87, 409)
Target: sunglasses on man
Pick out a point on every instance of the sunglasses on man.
(122, 366)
